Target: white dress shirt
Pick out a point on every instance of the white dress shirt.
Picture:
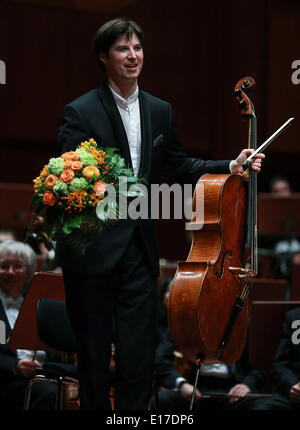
(217, 370)
(130, 113)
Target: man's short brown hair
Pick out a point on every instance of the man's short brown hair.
(109, 32)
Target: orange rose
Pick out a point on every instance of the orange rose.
(66, 164)
(49, 199)
(51, 181)
(67, 175)
(100, 188)
(71, 155)
(76, 165)
(90, 171)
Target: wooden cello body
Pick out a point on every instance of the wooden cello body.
(204, 291)
(208, 308)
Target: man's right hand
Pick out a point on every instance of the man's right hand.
(295, 393)
(186, 391)
(27, 367)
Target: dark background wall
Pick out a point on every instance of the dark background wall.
(194, 55)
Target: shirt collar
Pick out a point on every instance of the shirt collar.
(124, 103)
(10, 302)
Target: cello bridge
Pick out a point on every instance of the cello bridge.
(242, 273)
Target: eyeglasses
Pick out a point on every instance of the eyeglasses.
(18, 267)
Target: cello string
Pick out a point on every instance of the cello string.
(195, 386)
(246, 290)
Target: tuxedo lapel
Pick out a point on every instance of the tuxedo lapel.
(4, 318)
(119, 132)
(146, 135)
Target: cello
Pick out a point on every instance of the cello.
(208, 307)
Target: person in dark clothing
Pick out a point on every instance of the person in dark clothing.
(17, 367)
(117, 276)
(286, 367)
(236, 380)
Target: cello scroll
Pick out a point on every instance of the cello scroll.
(244, 101)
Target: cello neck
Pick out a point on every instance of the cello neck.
(248, 112)
(251, 239)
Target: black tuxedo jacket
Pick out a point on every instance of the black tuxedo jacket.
(96, 115)
(286, 364)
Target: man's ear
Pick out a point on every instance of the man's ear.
(103, 57)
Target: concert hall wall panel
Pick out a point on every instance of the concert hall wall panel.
(194, 55)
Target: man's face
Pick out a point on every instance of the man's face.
(13, 275)
(281, 189)
(124, 61)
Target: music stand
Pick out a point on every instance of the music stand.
(25, 334)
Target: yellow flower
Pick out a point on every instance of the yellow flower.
(36, 185)
(44, 172)
(37, 181)
(94, 199)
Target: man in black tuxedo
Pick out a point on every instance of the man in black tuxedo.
(117, 275)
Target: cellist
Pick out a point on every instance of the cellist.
(118, 274)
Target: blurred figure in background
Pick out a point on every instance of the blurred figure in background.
(280, 186)
(17, 266)
(286, 367)
(7, 234)
(288, 249)
(47, 256)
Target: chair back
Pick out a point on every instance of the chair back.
(266, 322)
(24, 334)
(54, 327)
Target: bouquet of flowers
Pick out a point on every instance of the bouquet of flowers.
(69, 194)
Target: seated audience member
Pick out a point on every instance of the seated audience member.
(280, 186)
(48, 256)
(7, 234)
(176, 390)
(287, 249)
(17, 265)
(286, 367)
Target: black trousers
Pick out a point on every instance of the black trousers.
(277, 402)
(171, 400)
(128, 296)
(12, 394)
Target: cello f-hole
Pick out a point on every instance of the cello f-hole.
(219, 274)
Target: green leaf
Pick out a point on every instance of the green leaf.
(70, 224)
(110, 151)
(37, 202)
